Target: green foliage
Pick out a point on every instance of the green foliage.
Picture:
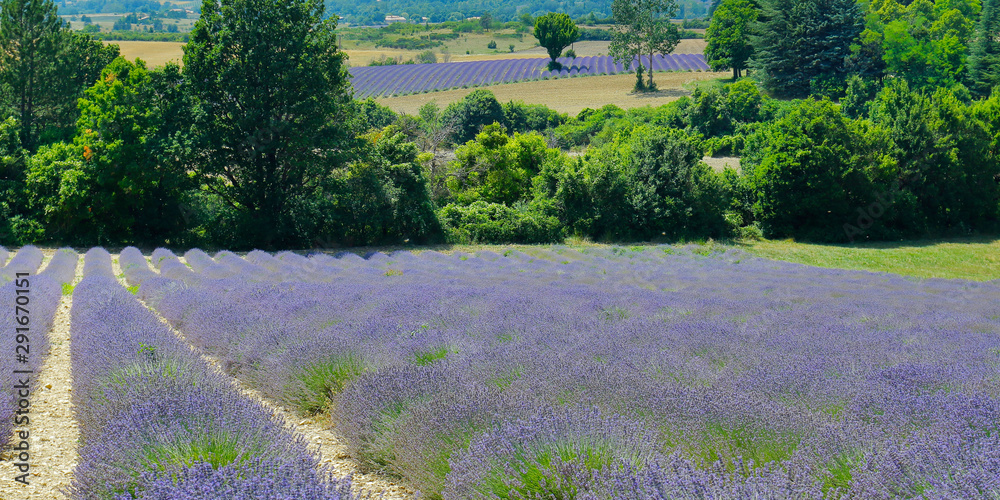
(316, 383)
(945, 176)
(424, 358)
(521, 117)
(468, 116)
(728, 36)
(801, 46)
(497, 168)
(380, 198)
(371, 115)
(984, 60)
(923, 42)
(44, 67)
(643, 27)
(808, 170)
(648, 182)
(270, 129)
(483, 222)
(555, 32)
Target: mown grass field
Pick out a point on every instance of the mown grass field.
(972, 259)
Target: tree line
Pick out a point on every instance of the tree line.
(242, 149)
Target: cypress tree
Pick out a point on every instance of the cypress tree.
(984, 59)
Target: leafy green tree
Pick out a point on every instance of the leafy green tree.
(984, 60)
(801, 46)
(124, 179)
(498, 168)
(271, 129)
(555, 32)
(380, 198)
(728, 36)
(486, 21)
(944, 166)
(923, 42)
(643, 27)
(467, 117)
(808, 172)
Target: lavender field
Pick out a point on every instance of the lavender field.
(600, 373)
(615, 373)
(397, 80)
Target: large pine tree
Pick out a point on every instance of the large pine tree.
(984, 60)
(44, 68)
(30, 36)
(802, 45)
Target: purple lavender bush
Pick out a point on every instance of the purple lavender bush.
(151, 411)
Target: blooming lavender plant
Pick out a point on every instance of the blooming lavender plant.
(152, 412)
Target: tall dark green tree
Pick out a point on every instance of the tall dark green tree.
(30, 41)
(802, 46)
(555, 32)
(984, 60)
(728, 35)
(273, 94)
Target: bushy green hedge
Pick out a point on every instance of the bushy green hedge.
(484, 222)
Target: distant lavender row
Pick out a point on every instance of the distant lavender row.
(618, 373)
(157, 423)
(386, 81)
(43, 295)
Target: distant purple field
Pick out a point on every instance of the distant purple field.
(385, 81)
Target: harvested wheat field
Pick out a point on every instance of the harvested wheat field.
(154, 53)
(600, 48)
(568, 95)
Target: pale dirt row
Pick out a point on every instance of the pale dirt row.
(53, 427)
(318, 431)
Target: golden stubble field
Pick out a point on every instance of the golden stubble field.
(568, 95)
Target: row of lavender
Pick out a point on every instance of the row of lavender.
(646, 373)
(25, 332)
(386, 81)
(157, 423)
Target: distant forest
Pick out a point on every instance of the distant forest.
(371, 12)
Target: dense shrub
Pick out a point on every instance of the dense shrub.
(521, 117)
(498, 168)
(483, 222)
(647, 183)
(468, 116)
(808, 171)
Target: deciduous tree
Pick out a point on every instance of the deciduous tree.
(272, 92)
(728, 36)
(555, 32)
(643, 27)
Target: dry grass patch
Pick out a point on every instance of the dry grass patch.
(154, 53)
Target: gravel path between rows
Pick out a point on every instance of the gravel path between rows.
(53, 427)
(318, 431)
